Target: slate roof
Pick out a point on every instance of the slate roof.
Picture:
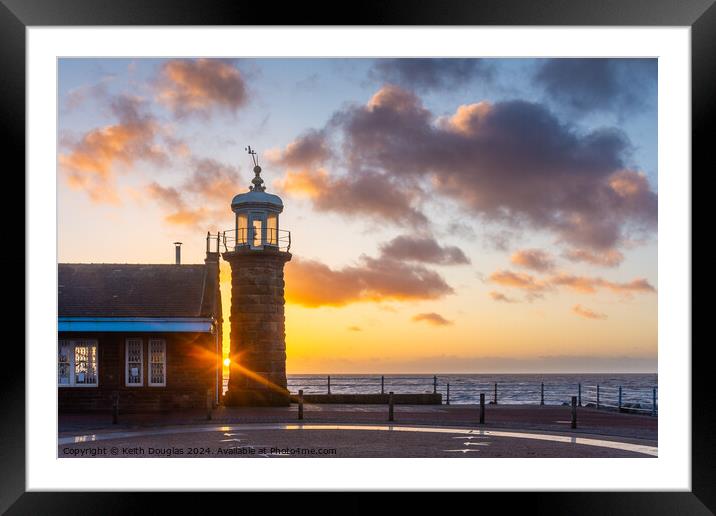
(137, 290)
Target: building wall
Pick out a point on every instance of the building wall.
(191, 369)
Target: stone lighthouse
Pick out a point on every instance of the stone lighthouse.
(257, 250)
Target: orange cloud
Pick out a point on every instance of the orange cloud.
(207, 188)
(520, 280)
(179, 214)
(198, 86)
(305, 151)
(394, 98)
(608, 258)
(535, 287)
(582, 284)
(587, 313)
(499, 296)
(305, 183)
(312, 283)
(466, 118)
(629, 183)
(212, 180)
(185, 217)
(432, 318)
(90, 163)
(590, 285)
(534, 259)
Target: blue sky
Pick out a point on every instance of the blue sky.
(542, 173)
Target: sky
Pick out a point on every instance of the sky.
(446, 215)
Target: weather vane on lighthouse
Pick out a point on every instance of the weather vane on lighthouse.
(258, 185)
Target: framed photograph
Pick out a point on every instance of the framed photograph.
(458, 234)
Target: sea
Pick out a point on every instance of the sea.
(639, 390)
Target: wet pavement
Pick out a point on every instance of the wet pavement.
(282, 440)
(362, 431)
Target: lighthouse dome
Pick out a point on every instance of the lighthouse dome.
(256, 199)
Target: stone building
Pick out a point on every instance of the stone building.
(149, 333)
(152, 333)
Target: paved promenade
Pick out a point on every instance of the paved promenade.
(526, 417)
(364, 431)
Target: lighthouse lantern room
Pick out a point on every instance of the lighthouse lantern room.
(257, 215)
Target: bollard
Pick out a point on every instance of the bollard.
(541, 390)
(574, 412)
(597, 395)
(435, 384)
(390, 406)
(115, 407)
(620, 398)
(382, 384)
(653, 401)
(495, 398)
(209, 404)
(300, 404)
(329, 384)
(447, 402)
(482, 408)
(579, 394)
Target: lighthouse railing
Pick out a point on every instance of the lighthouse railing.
(249, 238)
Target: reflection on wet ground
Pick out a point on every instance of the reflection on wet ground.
(354, 440)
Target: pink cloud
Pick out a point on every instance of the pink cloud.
(534, 259)
(510, 162)
(606, 258)
(201, 86)
(423, 249)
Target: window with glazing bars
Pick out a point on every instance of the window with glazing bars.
(134, 362)
(64, 363)
(77, 363)
(157, 362)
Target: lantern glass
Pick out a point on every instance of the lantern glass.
(242, 225)
(272, 229)
(256, 240)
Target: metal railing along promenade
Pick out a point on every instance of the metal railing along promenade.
(364, 384)
(637, 399)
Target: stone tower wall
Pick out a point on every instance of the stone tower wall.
(258, 336)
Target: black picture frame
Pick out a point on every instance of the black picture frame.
(17, 15)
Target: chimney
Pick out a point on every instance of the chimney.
(177, 249)
(212, 252)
